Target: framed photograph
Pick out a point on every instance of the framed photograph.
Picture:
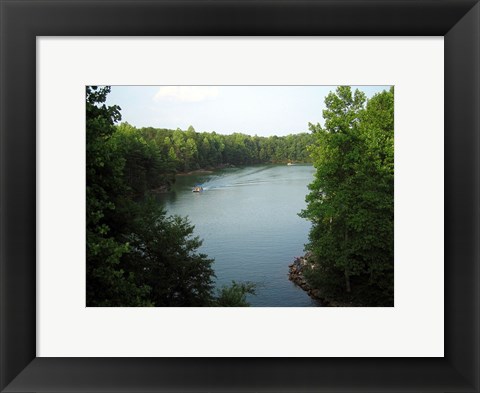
(56, 333)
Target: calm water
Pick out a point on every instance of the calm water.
(248, 220)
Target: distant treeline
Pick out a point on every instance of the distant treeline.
(153, 155)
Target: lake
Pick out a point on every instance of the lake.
(248, 220)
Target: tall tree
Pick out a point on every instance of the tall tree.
(351, 199)
(107, 283)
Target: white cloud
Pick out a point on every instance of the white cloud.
(186, 93)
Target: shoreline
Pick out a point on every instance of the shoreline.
(295, 274)
(212, 169)
(205, 171)
(195, 172)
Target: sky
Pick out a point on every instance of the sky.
(253, 110)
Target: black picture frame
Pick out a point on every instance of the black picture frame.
(23, 20)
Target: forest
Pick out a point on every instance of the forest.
(137, 255)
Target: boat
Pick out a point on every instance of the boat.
(197, 189)
(289, 164)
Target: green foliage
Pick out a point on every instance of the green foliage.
(164, 257)
(235, 295)
(107, 282)
(351, 199)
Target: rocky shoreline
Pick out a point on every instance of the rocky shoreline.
(295, 274)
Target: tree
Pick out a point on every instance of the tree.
(107, 283)
(235, 295)
(190, 153)
(164, 256)
(351, 199)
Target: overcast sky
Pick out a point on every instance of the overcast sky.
(261, 110)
